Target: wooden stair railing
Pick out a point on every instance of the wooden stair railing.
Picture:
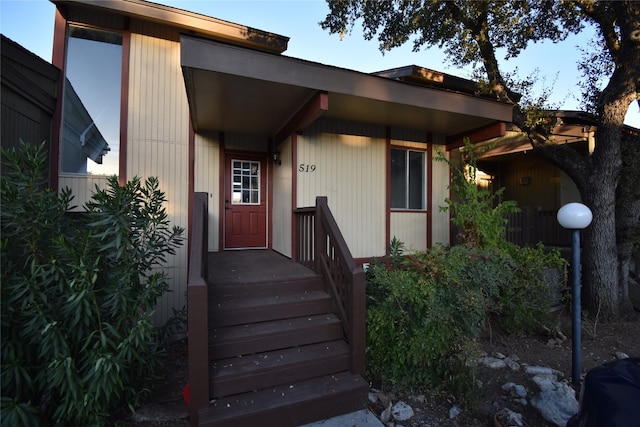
(197, 309)
(321, 246)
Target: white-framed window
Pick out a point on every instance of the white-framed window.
(90, 142)
(408, 179)
(245, 179)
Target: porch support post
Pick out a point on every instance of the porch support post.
(358, 322)
(319, 238)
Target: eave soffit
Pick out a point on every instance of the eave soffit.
(234, 89)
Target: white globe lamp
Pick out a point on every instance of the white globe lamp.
(575, 217)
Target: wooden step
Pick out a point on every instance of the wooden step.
(254, 338)
(266, 287)
(289, 405)
(242, 310)
(254, 372)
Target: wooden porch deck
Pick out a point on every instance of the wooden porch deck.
(252, 266)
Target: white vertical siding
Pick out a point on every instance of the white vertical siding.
(207, 179)
(411, 229)
(157, 140)
(82, 187)
(440, 191)
(349, 171)
(282, 193)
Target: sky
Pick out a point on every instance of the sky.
(30, 23)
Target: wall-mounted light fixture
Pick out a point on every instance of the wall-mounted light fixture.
(276, 157)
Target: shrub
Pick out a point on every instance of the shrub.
(478, 213)
(425, 316)
(523, 304)
(78, 293)
(423, 319)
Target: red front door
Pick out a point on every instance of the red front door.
(245, 202)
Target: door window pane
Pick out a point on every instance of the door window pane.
(91, 114)
(245, 182)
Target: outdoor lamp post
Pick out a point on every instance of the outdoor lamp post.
(575, 217)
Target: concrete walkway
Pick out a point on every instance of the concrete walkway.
(363, 418)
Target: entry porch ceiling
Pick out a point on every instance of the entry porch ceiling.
(233, 89)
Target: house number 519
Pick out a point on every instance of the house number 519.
(306, 168)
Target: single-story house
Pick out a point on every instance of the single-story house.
(246, 142)
(212, 106)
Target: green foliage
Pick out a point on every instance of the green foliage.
(479, 213)
(524, 304)
(458, 27)
(78, 293)
(396, 251)
(425, 316)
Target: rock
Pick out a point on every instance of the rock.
(509, 418)
(556, 400)
(541, 370)
(454, 411)
(512, 364)
(515, 390)
(620, 355)
(492, 362)
(401, 411)
(386, 414)
(373, 397)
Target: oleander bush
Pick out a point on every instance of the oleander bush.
(78, 294)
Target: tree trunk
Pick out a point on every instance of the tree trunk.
(601, 296)
(628, 214)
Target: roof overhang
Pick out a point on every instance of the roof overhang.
(233, 89)
(571, 127)
(187, 22)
